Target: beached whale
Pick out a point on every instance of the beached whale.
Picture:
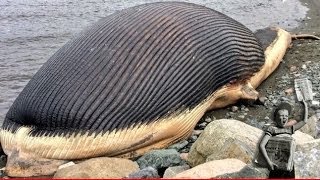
(136, 80)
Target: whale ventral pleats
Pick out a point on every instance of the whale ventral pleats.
(134, 67)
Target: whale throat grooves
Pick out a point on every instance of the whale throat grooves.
(134, 67)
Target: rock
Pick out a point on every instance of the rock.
(23, 165)
(234, 108)
(224, 138)
(193, 138)
(249, 171)
(234, 149)
(262, 99)
(66, 165)
(307, 159)
(197, 132)
(301, 137)
(208, 119)
(213, 169)
(148, 172)
(293, 68)
(311, 126)
(184, 156)
(3, 160)
(2, 174)
(160, 159)
(179, 145)
(289, 91)
(103, 167)
(202, 125)
(304, 66)
(173, 171)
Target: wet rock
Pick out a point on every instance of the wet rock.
(249, 171)
(148, 172)
(213, 169)
(180, 145)
(103, 167)
(160, 159)
(307, 159)
(173, 171)
(225, 138)
(311, 126)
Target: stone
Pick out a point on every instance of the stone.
(66, 165)
(197, 132)
(173, 171)
(304, 66)
(219, 140)
(249, 171)
(2, 174)
(311, 126)
(225, 138)
(192, 138)
(103, 167)
(208, 119)
(234, 108)
(180, 145)
(202, 125)
(3, 161)
(148, 172)
(293, 68)
(160, 159)
(213, 169)
(23, 165)
(289, 91)
(307, 159)
(184, 156)
(262, 99)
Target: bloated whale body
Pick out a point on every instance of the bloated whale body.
(138, 79)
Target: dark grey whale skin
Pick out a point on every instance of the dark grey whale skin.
(136, 66)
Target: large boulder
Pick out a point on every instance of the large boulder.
(225, 138)
(307, 159)
(103, 167)
(213, 169)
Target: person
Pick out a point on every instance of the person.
(284, 128)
